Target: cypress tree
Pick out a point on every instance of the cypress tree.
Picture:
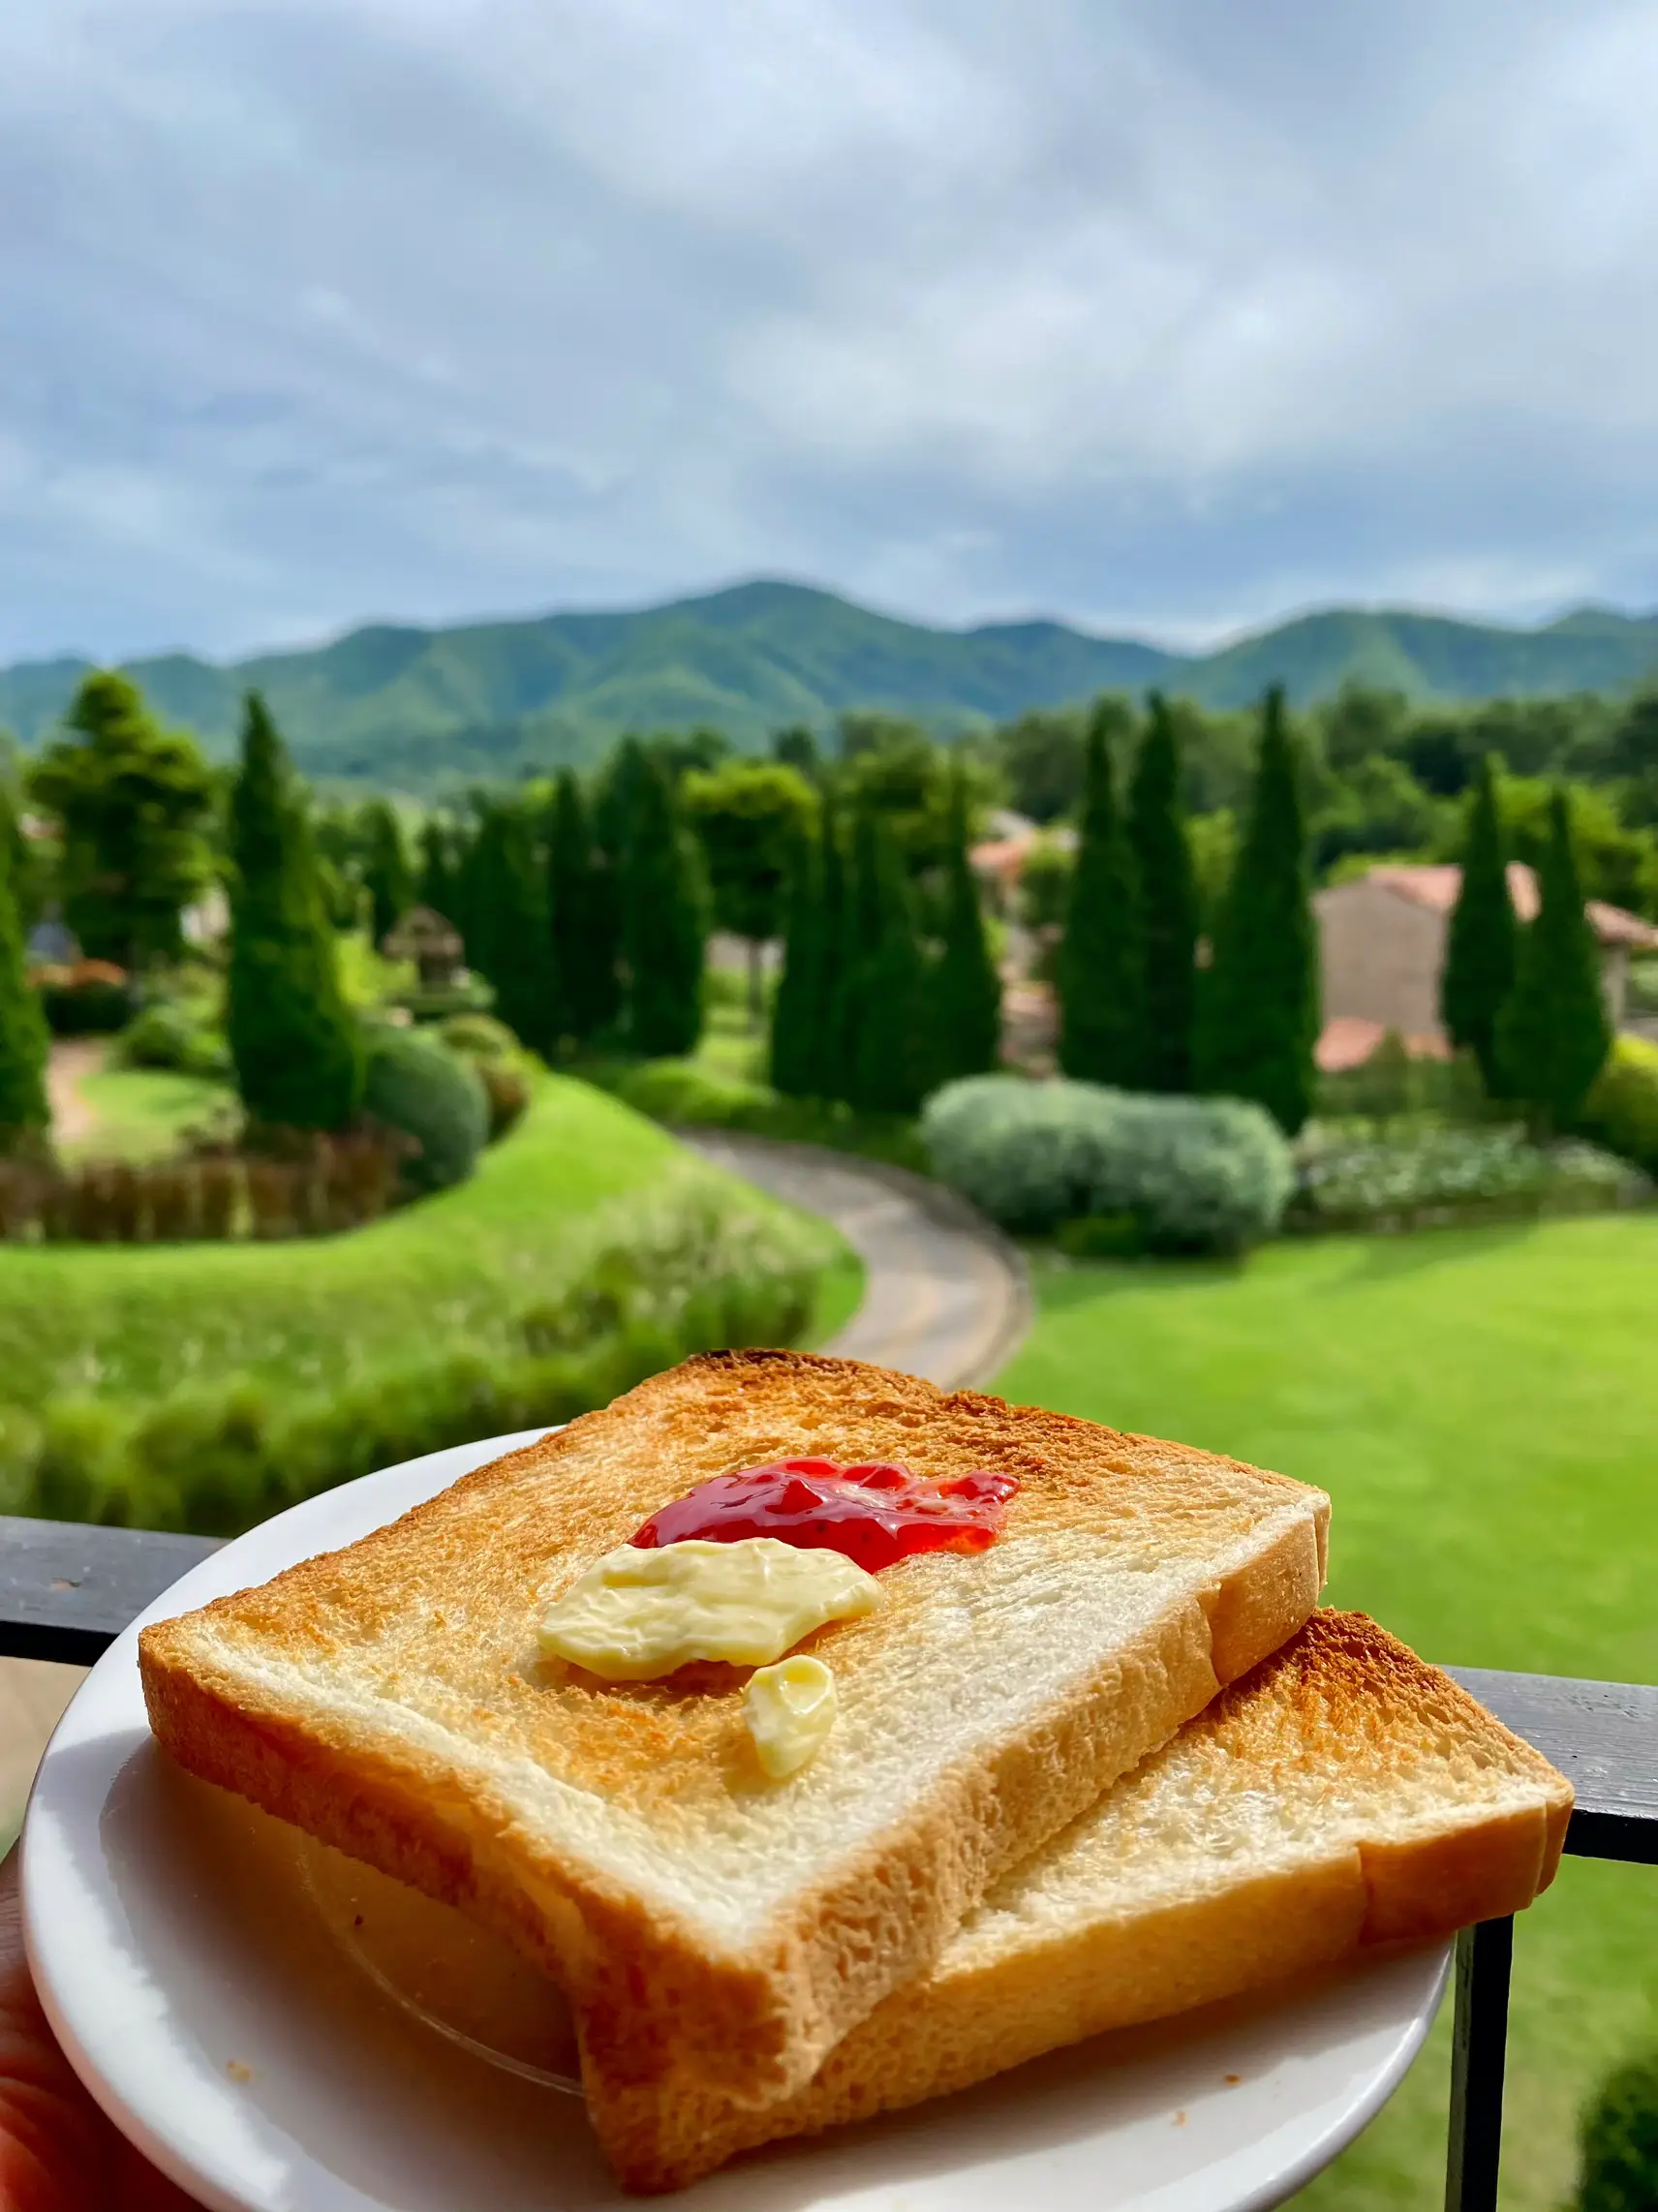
(798, 1014)
(513, 941)
(968, 990)
(1099, 957)
(387, 876)
(1552, 1033)
(25, 1111)
(856, 939)
(583, 919)
(1168, 907)
(893, 1064)
(828, 1063)
(297, 1050)
(1482, 945)
(1258, 1009)
(662, 934)
(437, 879)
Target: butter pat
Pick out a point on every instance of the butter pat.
(789, 1708)
(637, 1614)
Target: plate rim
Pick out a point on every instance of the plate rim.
(434, 1472)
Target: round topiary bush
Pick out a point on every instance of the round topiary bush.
(1621, 1111)
(1619, 2140)
(1190, 1175)
(435, 1097)
(165, 1036)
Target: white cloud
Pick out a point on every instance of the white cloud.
(1159, 313)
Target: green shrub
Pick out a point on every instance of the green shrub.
(480, 1036)
(165, 1035)
(1426, 1175)
(1621, 1111)
(501, 1060)
(1619, 2143)
(1193, 1174)
(656, 1279)
(95, 1008)
(434, 1097)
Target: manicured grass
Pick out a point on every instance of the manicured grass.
(143, 1113)
(1482, 1407)
(130, 1321)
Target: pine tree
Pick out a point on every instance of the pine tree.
(662, 931)
(1483, 943)
(1099, 961)
(1552, 1033)
(296, 1047)
(798, 1012)
(387, 876)
(24, 1112)
(894, 1058)
(968, 1001)
(1167, 907)
(583, 924)
(856, 940)
(1258, 1007)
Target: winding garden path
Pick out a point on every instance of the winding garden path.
(945, 1295)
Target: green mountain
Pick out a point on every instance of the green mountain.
(414, 707)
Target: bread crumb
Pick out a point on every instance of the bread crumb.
(237, 2071)
(1232, 2079)
(1180, 2119)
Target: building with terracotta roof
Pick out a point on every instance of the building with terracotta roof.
(1382, 945)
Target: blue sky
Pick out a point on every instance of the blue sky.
(1162, 315)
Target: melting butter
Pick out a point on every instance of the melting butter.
(789, 1708)
(635, 1614)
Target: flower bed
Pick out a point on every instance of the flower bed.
(1436, 1175)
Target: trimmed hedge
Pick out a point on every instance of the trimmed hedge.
(1434, 1177)
(1621, 1110)
(1182, 1175)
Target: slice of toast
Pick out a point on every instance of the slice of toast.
(704, 1922)
(1342, 1796)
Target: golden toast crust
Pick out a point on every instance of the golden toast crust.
(389, 1700)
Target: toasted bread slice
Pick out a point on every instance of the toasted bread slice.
(390, 1700)
(1343, 1795)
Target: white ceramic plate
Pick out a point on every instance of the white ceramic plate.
(244, 2015)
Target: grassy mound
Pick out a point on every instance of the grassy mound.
(207, 1384)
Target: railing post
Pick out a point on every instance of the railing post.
(1478, 2049)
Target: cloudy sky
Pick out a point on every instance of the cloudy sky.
(1166, 316)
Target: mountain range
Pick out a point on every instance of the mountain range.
(412, 708)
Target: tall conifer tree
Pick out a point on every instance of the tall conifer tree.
(1100, 964)
(662, 924)
(798, 1011)
(386, 874)
(894, 1058)
(1167, 894)
(583, 919)
(513, 939)
(1258, 1005)
(967, 1000)
(829, 1066)
(1481, 947)
(25, 1111)
(295, 1044)
(1552, 1033)
(436, 884)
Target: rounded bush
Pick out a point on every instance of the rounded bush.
(499, 1059)
(164, 1035)
(435, 1098)
(1619, 2138)
(1190, 1175)
(1621, 1110)
(480, 1036)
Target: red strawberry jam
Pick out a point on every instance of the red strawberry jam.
(875, 1514)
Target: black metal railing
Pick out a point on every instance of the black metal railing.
(67, 1590)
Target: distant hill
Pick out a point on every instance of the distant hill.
(414, 707)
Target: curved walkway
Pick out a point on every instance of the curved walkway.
(945, 1295)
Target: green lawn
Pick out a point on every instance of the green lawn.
(127, 1321)
(142, 1113)
(1482, 1407)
